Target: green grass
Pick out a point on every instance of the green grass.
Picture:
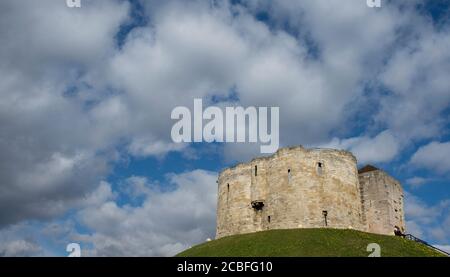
(308, 243)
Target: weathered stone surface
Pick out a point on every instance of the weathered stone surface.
(305, 188)
(382, 202)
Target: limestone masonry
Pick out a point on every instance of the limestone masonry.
(307, 188)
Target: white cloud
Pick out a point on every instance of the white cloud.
(381, 148)
(195, 50)
(71, 98)
(439, 234)
(434, 156)
(57, 35)
(19, 241)
(417, 181)
(19, 248)
(48, 142)
(416, 209)
(429, 222)
(417, 77)
(148, 147)
(414, 228)
(163, 225)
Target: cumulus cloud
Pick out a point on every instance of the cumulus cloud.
(419, 85)
(19, 248)
(429, 222)
(75, 101)
(18, 241)
(416, 209)
(381, 148)
(165, 223)
(48, 143)
(416, 181)
(433, 156)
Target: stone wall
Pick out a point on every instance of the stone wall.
(294, 188)
(382, 198)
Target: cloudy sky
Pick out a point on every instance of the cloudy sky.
(86, 96)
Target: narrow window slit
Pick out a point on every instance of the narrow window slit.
(319, 168)
(325, 214)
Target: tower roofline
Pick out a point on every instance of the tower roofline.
(283, 149)
(367, 168)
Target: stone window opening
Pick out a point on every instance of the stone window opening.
(256, 170)
(268, 219)
(228, 191)
(257, 205)
(319, 168)
(325, 214)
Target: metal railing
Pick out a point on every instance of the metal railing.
(416, 239)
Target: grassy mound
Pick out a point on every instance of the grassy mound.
(308, 243)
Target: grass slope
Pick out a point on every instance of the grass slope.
(308, 243)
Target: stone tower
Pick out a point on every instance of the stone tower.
(382, 200)
(294, 188)
(307, 188)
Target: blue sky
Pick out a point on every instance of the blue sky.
(87, 94)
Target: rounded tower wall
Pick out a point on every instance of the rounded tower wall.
(298, 188)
